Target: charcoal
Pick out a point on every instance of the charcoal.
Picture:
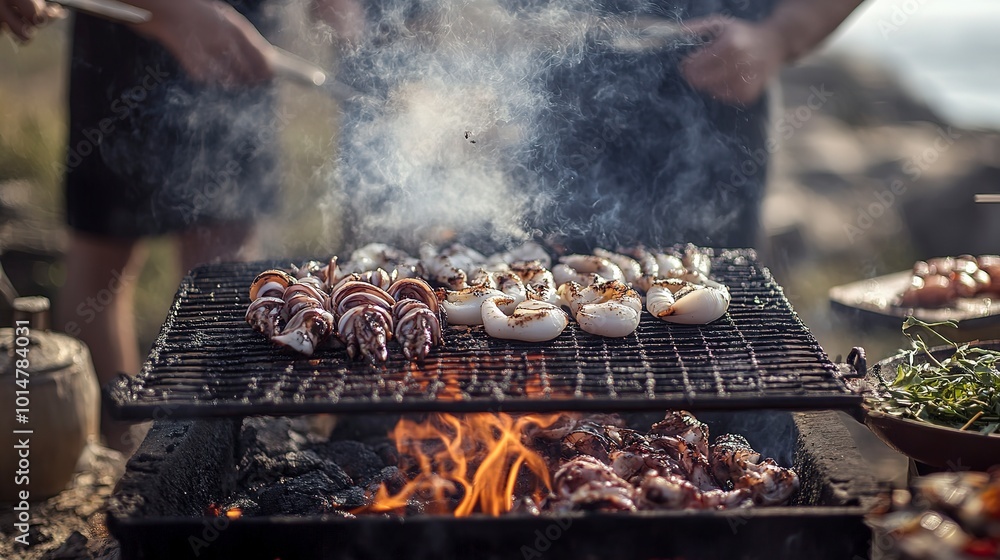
(390, 476)
(279, 501)
(385, 449)
(311, 493)
(414, 507)
(298, 463)
(268, 436)
(349, 498)
(358, 460)
(246, 506)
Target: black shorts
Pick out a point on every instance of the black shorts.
(149, 152)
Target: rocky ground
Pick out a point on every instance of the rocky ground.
(71, 524)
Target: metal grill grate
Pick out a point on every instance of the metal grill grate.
(208, 362)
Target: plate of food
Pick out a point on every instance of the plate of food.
(962, 289)
(953, 515)
(937, 405)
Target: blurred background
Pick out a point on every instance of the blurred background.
(875, 173)
(886, 134)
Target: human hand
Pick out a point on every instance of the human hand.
(213, 43)
(22, 17)
(738, 62)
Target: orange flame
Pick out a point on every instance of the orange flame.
(477, 457)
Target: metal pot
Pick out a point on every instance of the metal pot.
(63, 411)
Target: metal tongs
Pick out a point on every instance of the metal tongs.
(284, 64)
(294, 68)
(110, 9)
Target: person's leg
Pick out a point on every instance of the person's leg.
(216, 243)
(96, 306)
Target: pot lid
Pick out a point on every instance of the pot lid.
(47, 351)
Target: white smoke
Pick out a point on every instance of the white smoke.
(479, 123)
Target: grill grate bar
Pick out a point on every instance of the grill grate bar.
(207, 362)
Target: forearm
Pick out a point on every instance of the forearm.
(212, 41)
(164, 14)
(804, 24)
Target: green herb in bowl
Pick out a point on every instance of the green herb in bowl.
(960, 391)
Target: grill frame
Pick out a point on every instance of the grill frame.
(760, 355)
(157, 510)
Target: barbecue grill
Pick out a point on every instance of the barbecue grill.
(207, 364)
(158, 510)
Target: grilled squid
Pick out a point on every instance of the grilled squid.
(695, 465)
(482, 278)
(270, 283)
(697, 260)
(731, 456)
(531, 321)
(511, 285)
(377, 255)
(307, 290)
(464, 307)
(366, 330)
(353, 293)
(585, 483)
(451, 267)
(378, 278)
(674, 492)
(417, 317)
(585, 270)
(306, 330)
(682, 424)
(769, 483)
(670, 266)
(637, 460)
(440, 269)
(609, 308)
(265, 315)
(417, 328)
(678, 301)
(364, 319)
(414, 288)
(463, 256)
(332, 275)
(538, 281)
(631, 269)
(766, 482)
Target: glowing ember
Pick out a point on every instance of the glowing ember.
(474, 459)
